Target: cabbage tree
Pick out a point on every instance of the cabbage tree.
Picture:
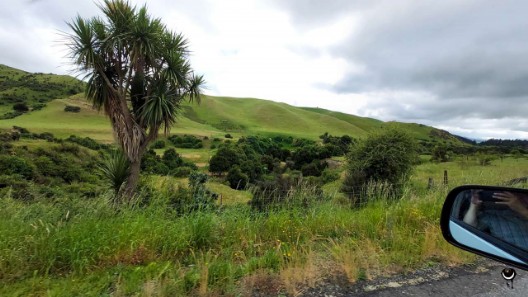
(137, 72)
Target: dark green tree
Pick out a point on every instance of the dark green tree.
(237, 179)
(226, 157)
(386, 157)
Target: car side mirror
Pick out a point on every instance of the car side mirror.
(488, 221)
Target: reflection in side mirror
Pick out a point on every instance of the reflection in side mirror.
(489, 221)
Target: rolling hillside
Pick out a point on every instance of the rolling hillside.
(214, 117)
(32, 89)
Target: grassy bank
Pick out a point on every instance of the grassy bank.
(86, 247)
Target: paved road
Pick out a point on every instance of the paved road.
(480, 280)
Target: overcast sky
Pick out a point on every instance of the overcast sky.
(457, 65)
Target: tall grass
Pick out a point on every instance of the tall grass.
(47, 247)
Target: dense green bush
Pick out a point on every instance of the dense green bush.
(237, 179)
(183, 171)
(11, 115)
(338, 146)
(70, 108)
(226, 157)
(314, 169)
(45, 136)
(38, 106)
(169, 164)
(440, 153)
(20, 107)
(152, 163)
(10, 165)
(186, 141)
(383, 158)
(21, 130)
(15, 186)
(172, 159)
(329, 176)
(88, 143)
(196, 197)
(158, 144)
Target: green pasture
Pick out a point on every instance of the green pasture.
(62, 124)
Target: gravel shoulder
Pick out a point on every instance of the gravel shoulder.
(480, 279)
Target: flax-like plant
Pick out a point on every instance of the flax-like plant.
(116, 170)
(137, 72)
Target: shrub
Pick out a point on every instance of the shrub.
(20, 107)
(485, 159)
(45, 135)
(88, 143)
(11, 115)
(70, 108)
(38, 106)
(225, 157)
(237, 179)
(10, 165)
(158, 144)
(186, 141)
(9, 136)
(152, 163)
(115, 168)
(440, 153)
(197, 197)
(21, 130)
(314, 169)
(329, 176)
(183, 171)
(387, 158)
(45, 166)
(16, 186)
(285, 191)
(172, 159)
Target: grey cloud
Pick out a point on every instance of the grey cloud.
(469, 55)
(311, 13)
(472, 51)
(429, 111)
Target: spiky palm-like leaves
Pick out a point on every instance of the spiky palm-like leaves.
(137, 71)
(115, 169)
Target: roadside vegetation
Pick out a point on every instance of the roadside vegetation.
(176, 237)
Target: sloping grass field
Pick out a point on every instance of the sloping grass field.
(217, 116)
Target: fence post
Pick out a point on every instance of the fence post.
(446, 181)
(430, 184)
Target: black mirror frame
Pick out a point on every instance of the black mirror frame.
(445, 218)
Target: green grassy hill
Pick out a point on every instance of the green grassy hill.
(214, 117)
(32, 89)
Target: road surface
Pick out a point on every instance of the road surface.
(480, 280)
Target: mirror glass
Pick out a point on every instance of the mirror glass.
(493, 221)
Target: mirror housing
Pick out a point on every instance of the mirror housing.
(488, 221)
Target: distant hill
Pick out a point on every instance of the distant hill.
(214, 117)
(32, 89)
